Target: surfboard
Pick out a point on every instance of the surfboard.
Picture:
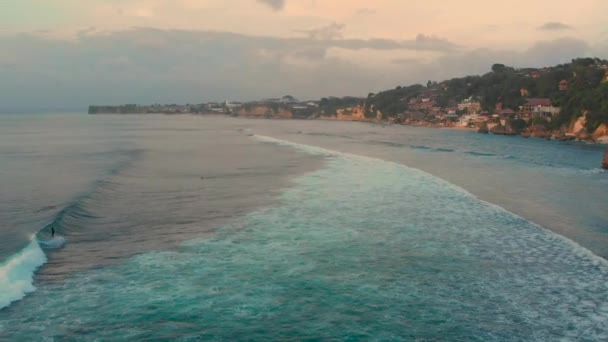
(54, 243)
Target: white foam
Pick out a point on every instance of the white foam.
(17, 273)
(54, 243)
(577, 249)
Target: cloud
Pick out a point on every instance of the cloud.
(434, 43)
(540, 54)
(171, 66)
(406, 61)
(557, 51)
(554, 26)
(276, 5)
(331, 31)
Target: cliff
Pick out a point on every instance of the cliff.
(578, 129)
(265, 112)
(356, 113)
(601, 134)
(578, 125)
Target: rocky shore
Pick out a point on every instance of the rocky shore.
(576, 132)
(600, 135)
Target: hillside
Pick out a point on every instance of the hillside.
(578, 87)
(569, 98)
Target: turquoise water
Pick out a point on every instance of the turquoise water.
(358, 249)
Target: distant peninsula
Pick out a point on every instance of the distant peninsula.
(566, 102)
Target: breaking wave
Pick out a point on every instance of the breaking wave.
(17, 272)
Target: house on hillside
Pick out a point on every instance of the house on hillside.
(472, 120)
(540, 107)
(421, 104)
(563, 85)
(533, 103)
(506, 113)
(470, 105)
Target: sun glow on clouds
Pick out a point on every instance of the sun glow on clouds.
(467, 21)
(179, 49)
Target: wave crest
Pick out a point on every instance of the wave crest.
(17, 273)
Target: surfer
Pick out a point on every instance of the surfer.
(52, 231)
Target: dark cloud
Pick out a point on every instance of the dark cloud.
(543, 53)
(276, 5)
(152, 65)
(554, 26)
(310, 53)
(331, 36)
(557, 51)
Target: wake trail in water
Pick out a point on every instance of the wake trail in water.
(18, 271)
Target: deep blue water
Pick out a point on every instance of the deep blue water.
(213, 228)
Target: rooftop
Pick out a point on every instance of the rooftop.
(539, 102)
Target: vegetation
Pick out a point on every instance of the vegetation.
(579, 87)
(587, 91)
(518, 125)
(392, 102)
(328, 106)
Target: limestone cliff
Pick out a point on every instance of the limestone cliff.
(578, 129)
(355, 113)
(601, 134)
(265, 112)
(578, 126)
(538, 131)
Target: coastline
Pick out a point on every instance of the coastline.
(548, 135)
(460, 166)
(602, 140)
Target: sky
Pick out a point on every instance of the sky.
(72, 53)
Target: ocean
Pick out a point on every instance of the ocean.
(214, 228)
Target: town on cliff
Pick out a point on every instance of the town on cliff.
(563, 102)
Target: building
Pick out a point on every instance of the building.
(505, 113)
(563, 85)
(541, 107)
(472, 120)
(421, 104)
(471, 106)
(535, 103)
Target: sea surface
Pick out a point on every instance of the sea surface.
(214, 228)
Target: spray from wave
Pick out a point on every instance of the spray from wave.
(17, 272)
